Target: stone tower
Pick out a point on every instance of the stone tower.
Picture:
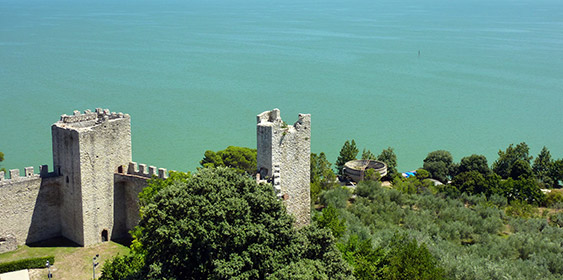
(88, 149)
(284, 154)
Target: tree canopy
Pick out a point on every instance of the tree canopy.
(322, 176)
(219, 224)
(367, 154)
(508, 158)
(440, 165)
(240, 158)
(388, 157)
(474, 163)
(348, 152)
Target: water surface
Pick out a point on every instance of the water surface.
(194, 74)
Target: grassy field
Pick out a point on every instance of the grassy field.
(71, 261)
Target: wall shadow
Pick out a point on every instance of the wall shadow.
(55, 242)
(46, 217)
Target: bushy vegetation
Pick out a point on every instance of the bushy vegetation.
(470, 237)
(220, 224)
(322, 176)
(26, 264)
(241, 159)
(483, 223)
(348, 152)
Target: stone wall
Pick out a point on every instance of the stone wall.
(92, 191)
(88, 149)
(128, 184)
(29, 209)
(283, 155)
(92, 194)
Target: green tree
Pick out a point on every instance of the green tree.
(1, 160)
(388, 157)
(322, 176)
(367, 154)
(542, 168)
(474, 163)
(403, 258)
(240, 158)
(440, 165)
(337, 197)
(329, 219)
(123, 267)
(524, 189)
(506, 160)
(348, 152)
(366, 260)
(471, 182)
(521, 168)
(407, 260)
(371, 175)
(316, 257)
(220, 224)
(556, 172)
(413, 185)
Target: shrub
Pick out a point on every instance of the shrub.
(498, 200)
(123, 267)
(521, 209)
(329, 219)
(553, 198)
(408, 260)
(336, 198)
(368, 189)
(556, 219)
(26, 264)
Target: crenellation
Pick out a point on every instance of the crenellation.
(14, 174)
(149, 172)
(269, 117)
(143, 169)
(92, 194)
(152, 170)
(162, 173)
(28, 171)
(99, 115)
(44, 170)
(132, 168)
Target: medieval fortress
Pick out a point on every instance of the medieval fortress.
(91, 195)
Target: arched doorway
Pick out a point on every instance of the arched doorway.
(104, 235)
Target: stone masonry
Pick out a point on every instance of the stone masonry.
(283, 158)
(91, 195)
(87, 150)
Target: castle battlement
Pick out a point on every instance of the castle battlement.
(142, 170)
(28, 174)
(92, 194)
(273, 119)
(269, 117)
(100, 115)
(15, 175)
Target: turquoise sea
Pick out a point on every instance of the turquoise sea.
(468, 76)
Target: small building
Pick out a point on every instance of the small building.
(355, 169)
